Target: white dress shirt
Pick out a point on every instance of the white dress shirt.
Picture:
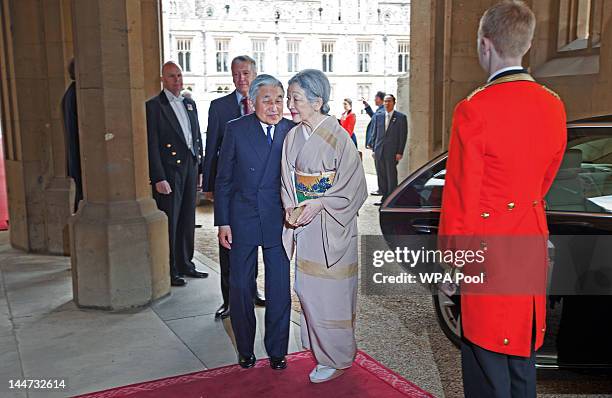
(388, 116)
(181, 114)
(265, 129)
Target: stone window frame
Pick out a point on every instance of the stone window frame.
(183, 52)
(258, 46)
(293, 55)
(327, 55)
(222, 54)
(403, 56)
(578, 29)
(363, 56)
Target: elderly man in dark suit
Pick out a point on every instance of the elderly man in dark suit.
(175, 149)
(249, 213)
(389, 139)
(221, 111)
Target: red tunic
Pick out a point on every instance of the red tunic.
(348, 122)
(507, 142)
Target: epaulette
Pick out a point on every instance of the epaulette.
(550, 91)
(473, 93)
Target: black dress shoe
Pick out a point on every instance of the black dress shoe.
(278, 363)
(222, 312)
(246, 362)
(176, 281)
(195, 274)
(376, 193)
(259, 300)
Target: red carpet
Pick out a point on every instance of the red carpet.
(366, 378)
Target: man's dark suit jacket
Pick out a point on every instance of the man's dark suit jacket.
(247, 190)
(71, 131)
(392, 141)
(167, 146)
(370, 128)
(221, 111)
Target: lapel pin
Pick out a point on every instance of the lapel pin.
(189, 107)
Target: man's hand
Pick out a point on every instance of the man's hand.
(225, 236)
(311, 209)
(210, 196)
(398, 157)
(365, 103)
(163, 187)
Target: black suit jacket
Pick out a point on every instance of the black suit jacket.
(167, 146)
(392, 141)
(221, 111)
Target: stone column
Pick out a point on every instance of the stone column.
(59, 190)
(151, 42)
(26, 120)
(119, 238)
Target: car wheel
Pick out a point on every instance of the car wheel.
(448, 312)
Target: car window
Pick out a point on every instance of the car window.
(584, 180)
(425, 190)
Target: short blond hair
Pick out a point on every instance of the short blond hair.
(510, 26)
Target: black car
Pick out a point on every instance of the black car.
(579, 213)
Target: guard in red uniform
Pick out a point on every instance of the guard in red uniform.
(507, 141)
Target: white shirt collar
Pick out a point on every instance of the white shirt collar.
(502, 70)
(239, 97)
(389, 114)
(171, 97)
(264, 126)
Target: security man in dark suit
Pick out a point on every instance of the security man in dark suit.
(175, 149)
(221, 111)
(389, 137)
(71, 130)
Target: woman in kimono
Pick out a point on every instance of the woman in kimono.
(323, 187)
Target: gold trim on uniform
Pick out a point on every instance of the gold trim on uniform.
(506, 79)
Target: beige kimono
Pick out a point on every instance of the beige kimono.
(326, 249)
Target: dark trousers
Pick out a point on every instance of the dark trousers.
(278, 300)
(493, 375)
(180, 206)
(386, 172)
(224, 262)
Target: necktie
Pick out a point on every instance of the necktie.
(269, 135)
(245, 106)
(387, 117)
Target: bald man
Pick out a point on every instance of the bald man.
(175, 151)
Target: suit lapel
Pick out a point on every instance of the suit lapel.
(258, 139)
(169, 114)
(193, 122)
(280, 131)
(391, 122)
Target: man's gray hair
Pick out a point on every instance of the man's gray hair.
(247, 59)
(263, 80)
(315, 84)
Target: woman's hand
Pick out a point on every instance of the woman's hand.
(288, 212)
(311, 209)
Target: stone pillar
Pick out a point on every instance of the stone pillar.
(151, 41)
(119, 239)
(59, 191)
(26, 120)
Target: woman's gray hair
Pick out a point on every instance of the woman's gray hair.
(263, 80)
(315, 84)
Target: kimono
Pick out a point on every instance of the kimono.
(326, 248)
